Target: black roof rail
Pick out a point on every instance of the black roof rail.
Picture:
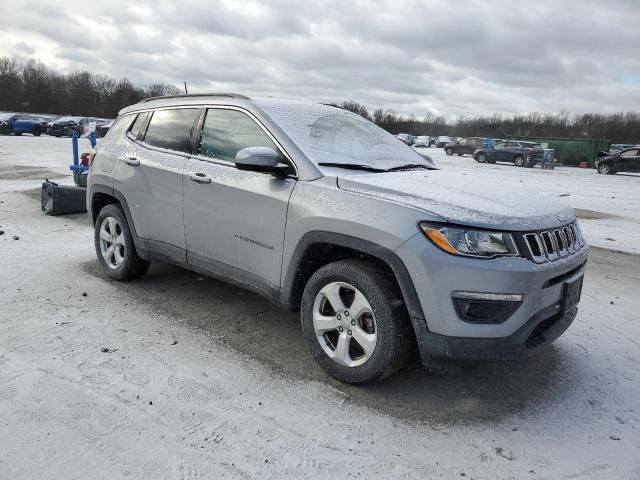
(196, 95)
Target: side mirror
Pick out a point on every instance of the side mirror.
(261, 159)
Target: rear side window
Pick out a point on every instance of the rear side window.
(225, 132)
(171, 129)
(137, 125)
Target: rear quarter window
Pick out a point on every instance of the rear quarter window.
(137, 125)
(119, 127)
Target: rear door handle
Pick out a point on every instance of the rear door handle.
(132, 161)
(200, 177)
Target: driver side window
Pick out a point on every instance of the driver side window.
(629, 153)
(225, 132)
(499, 146)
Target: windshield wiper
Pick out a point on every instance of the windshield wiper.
(409, 166)
(352, 166)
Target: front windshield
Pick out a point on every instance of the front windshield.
(332, 135)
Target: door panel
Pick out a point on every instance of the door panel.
(21, 126)
(498, 152)
(153, 189)
(149, 175)
(238, 218)
(628, 161)
(232, 216)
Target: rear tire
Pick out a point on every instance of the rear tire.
(448, 151)
(114, 244)
(337, 330)
(518, 161)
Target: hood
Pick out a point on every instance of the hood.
(479, 200)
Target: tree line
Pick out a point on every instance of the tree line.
(31, 86)
(622, 127)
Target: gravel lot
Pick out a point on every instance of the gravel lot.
(176, 376)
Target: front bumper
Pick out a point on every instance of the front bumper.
(540, 318)
(543, 328)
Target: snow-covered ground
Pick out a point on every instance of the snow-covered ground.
(176, 376)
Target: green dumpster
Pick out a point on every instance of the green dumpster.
(572, 151)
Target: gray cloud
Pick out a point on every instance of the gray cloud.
(463, 58)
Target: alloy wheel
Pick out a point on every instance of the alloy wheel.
(344, 324)
(112, 245)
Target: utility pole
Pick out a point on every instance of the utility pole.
(186, 92)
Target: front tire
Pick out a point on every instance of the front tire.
(354, 322)
(449, 151)
(518, 160)
(114, 244)
(36, 131)
(605, 169)
(481, 158)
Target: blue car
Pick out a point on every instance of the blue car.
(19, 124)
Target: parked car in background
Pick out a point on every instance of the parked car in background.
(522, 154)
(17, 124)
(230, 186)
(405, 138)
(463, 146)
(66, 126)
(626, 161)
(103, 128)
(422, 141)
(614, 149)
(442, 140)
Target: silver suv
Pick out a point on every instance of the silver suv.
(321, 211)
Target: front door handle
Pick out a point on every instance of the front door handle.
(200, 177)
(132, 161)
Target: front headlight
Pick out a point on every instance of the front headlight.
(470, 242)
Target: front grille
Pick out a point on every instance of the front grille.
(550, 245)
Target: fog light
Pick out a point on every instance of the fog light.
(475, 307)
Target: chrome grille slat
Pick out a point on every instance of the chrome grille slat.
(550, 245)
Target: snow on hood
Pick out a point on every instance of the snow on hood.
(480, 200)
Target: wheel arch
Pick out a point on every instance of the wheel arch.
(101, 195)
(311, 253)
(318, 248)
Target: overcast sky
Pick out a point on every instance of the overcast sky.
(451, 58)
